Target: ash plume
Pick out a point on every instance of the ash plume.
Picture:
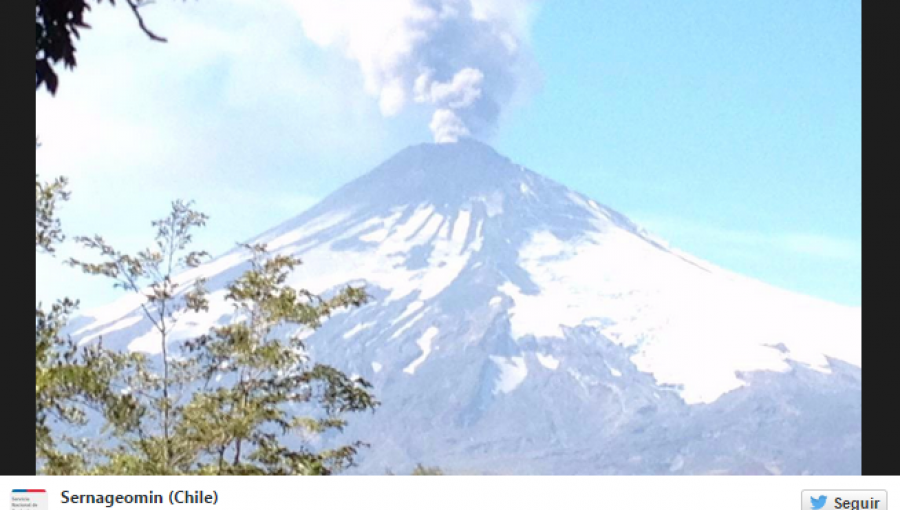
(462, 59)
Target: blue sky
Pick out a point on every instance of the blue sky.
(731, 129)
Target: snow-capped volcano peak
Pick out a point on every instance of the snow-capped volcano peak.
(441, 174)
(499, 294)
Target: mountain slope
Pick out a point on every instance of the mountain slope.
(520, 327)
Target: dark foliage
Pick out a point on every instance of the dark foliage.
(58, 24)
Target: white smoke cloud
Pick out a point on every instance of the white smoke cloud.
(461, 92)
(463, 58)
(447, 127)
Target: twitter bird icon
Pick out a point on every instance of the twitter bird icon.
(819, 502)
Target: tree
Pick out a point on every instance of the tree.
(51, 390)
(72, 381)
(151, 274)
(58, 24)
(231, 401)
(239, 425)
(69, 380)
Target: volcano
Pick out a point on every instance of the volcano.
(520, 327)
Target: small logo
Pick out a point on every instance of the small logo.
(32, 499)
(819, 502)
